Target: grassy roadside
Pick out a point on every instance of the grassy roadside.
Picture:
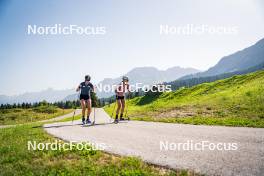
(16, 159)
(229, 121)
(236, 101)
(78, 117)
(20, 116)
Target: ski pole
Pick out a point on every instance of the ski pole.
(114, 108)
(75, 107)
(73, 115)
(127, 108)
(94, 116)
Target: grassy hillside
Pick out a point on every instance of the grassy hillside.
(19, 115)
(236, 101)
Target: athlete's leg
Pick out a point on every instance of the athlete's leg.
(83, 109)
(118, 107)
(123, 103)
(83, 106)
(89, 107)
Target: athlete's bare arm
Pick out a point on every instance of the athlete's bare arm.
(128, 89)
(93, 87)
(78, 89)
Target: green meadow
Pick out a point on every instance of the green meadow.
(16, 159)
(235, 101)
(19, 115)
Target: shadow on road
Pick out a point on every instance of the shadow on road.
(90, 125)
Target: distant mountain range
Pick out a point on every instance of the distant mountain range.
(148, 76)
(179, 83)
(145, 75)
(49, 95)
(241, 60)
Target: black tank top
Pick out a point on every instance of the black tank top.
(86, 88)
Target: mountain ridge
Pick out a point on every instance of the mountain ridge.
(148, 76)
(143, 74)
(239, 60)
(50, 95)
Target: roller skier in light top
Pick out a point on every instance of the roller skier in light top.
(120, 97)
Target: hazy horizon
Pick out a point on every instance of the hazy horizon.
(32, 63)
(74, 87)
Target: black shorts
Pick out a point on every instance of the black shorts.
(84, 97)
(120, 97)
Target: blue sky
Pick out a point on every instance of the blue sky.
(36, 62)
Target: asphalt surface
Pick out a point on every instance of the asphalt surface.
(148, 140)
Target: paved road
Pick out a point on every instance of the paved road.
(77, 112)
(142, 139)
